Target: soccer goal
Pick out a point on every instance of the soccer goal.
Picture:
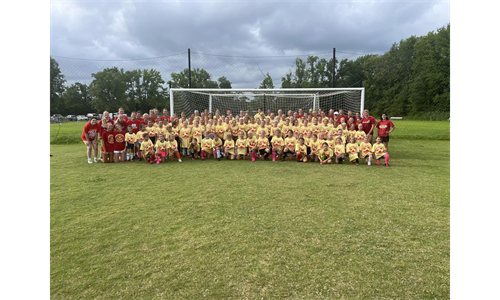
(236, 100)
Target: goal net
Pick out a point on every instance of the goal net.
(236, 100)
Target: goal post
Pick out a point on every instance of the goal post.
(189, 100)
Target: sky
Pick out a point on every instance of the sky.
(253, 37)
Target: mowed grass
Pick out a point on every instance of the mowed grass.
(243, 230)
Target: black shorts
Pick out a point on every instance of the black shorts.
(385, 139)
(262, 151)
(308, 150)
(130, 146)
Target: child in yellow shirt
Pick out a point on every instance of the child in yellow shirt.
(241, 146)
(379, 152)
(352, 149)
(339, 151)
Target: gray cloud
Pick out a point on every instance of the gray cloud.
(132, 30)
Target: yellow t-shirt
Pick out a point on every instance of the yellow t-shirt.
(220, 131)
(139, 137)
(185, 134)
(353, 150)
(252, 142)
(378, 150)
(301, 148)
(328, 153)
(241, 145)
(130, 137)
(206, 144)
(151, 131)
(290, 143)
(162, 146)
(366, 149)
(277, 143)
(331, 144)
(360, 136)
(339, 149)
(229, 146)
(147, 146)
(296, 131)
(216, 143)
(197, 133)
(173, 144)
(316, 129)
(195, 147)
(162, 130)
(235, 129)
(315, 146)
(285, 128)
(305, 129)
(263, 143)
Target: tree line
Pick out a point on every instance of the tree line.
(412, 78)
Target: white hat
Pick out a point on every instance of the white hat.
(336, 113)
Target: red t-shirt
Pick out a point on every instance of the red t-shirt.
(135, 125)
(367, 123)
(109, 141)
(384, 127)
(299, 116)
(163, 117)
(105, 127)
(342, 117)
(124, 118)
(119, 140)
(92, 131)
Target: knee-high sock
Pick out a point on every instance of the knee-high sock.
(202, 154)
(386, 159)
(370, 159)
(218, 153)
(274, 154)
(178, 155)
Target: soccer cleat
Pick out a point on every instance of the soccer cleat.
(180, 160)
(218, 158)
(90, 161)
(369, 163)
(387, 165)
(357, 163)
(132, 159)
(95, 159)
(253, 158)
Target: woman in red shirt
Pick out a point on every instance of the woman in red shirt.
(91, 131)
(385, 126)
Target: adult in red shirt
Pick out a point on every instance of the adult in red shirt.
(342, 116)
(134, 122)
(300, 114)
(121, 112)
(165, 115)
(385, 127)
(103, 123)
(90, 135)
(330, 114)
(369, 123)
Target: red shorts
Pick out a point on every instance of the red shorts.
(163, 153)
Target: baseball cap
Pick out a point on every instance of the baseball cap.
(336, 113)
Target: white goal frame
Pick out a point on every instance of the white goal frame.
(263, 92)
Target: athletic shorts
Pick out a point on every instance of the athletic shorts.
(385, 139)
(138, 143)
(299, 156)
(262, 151)
(308, 150)
(118, 152)
(163, 153)
(130, 146)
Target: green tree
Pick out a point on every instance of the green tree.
(224, 83)
(313, 73)
(56, 87)
(76, 100)
(109, 90)
(267, 83)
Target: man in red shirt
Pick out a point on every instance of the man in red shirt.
(301, 113)
(342, 116)
(165, 115)
(134, 122)
(121, 112)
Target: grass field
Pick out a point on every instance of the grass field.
(243, 230)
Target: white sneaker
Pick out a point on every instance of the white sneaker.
(95, 159)
(180, 160)
(90, 160)
(369, 163)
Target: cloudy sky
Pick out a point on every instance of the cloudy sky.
(255, 36)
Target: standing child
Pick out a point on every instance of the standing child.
(151, 130)
(119, 146)
(360, 134)
(130, 139)
(379, 151)
(277, 143)
(352, 149)
(301, 151)
(185, 135)
(139, 138)
(339, 151)
(147, 148)
(315, 147)
(108, 139)
(206, 146)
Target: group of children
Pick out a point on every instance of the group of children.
(292, 139)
